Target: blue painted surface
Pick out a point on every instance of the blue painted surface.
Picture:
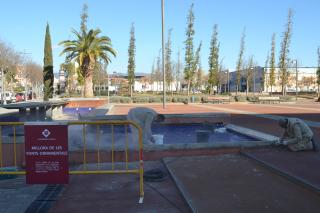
(187, 134)
(10, 118)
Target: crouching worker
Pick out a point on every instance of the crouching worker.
(144, 117)
(297, 135)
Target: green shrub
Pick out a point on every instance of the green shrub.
(253, 98)
(226, 94)
(286, 98)
(174, 100)
(125, 100)
(154, 100)
(140, 99)
(168, 99)
(182, 99)
(232, 99)
(239, 98)
(115, 99)
(204, 99)
(196, 98)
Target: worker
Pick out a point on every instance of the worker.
(297, 135)
(144, 117)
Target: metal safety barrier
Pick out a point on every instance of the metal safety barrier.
(12, 142)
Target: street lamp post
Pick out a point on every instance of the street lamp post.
(254, 81)
(3, 99)
(228, 77)
(296, 80)
(163, 59)
(108, 87)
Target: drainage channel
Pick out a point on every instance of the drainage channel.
(278, 171)
(44, 201)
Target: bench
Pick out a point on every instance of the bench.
(269, 99)
(216, 99)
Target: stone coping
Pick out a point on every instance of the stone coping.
(167, 116)
(34, 104)
(261, 136)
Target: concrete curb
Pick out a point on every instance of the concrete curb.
(180, 187)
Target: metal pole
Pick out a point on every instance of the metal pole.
(163, 59)
(296, 80)
(108, 88)
(228, 75)
(254, 81)
(2, 90)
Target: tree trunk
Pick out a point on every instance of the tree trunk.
(247, 90)
(188, 92)
(271, 90)
(88, 91)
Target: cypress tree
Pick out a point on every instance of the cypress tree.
(318, 74)
(284, 54)
(169, 75)
(189, 55)
(131, 60)
(249, 74)
(158, 71)
(265, 80)
(272, 75)
(196, 64)
(84, 18)
(240, 60)
(178, 71)
(47, 67)
(214, 59)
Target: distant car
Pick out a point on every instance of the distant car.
(8, 97)
(19, 97)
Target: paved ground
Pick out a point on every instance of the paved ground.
(301, 164)
(16, 195)
(119, 193)
(231, 183)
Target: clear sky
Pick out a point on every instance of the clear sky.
(23, 23)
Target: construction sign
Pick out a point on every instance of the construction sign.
(46, 152)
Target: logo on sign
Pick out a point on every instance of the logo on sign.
(46, 133)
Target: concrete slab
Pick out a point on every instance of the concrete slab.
(16, 195)
(304, 165)
(119, 193)
(231, 183)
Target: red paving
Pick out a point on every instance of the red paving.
(170, 108)
(299, 164)
(261, 124)
(233, 183)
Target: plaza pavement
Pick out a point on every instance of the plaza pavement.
(208, 184)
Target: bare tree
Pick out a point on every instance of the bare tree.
(9, 61)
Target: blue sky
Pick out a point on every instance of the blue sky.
(22, 24)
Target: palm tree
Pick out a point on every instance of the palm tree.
(86, 50)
